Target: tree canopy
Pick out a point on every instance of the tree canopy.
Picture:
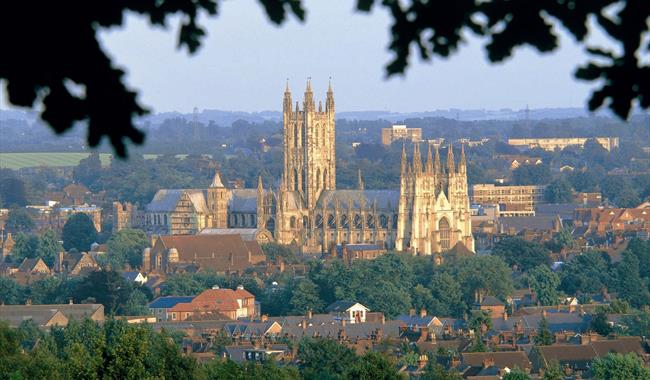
(433, 28)
(78, 232)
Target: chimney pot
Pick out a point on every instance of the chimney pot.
(423, 312)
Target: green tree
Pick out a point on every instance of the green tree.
(106, 287)
(79, 233)
(488, 275)
(27, 246)
(435, 371)
(480, 322)
(544, 336)
(126, 246)
(373, 365)
(531, 174)
(19, 221)
(586, 273)
(553, 372)
(324, 358)
(545, 284)
(447, 296)
(558, 191)
(522, 253)
(619, 366)
(637, 324)
(516, 374)
(12, 191)
(600, 324)
(11, 292)
(223, 370)
(88, 170)
(274, 251)
(305, 297)
(631, 287)
(422, 298)
(48, 247)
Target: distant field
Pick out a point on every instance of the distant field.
(27, 160)
(55, 159)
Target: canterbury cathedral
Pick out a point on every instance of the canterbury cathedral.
(428, 214)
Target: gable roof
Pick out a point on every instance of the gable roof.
(339, 306)
(165, 200)
(511, 359)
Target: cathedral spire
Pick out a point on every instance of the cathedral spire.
(451, 167)
(360, 181)
(260, 185)
(437, 167)
(329, 102)
(462, 165)
(417, 161)
(309, 96)
(286, 104)
(429, 161)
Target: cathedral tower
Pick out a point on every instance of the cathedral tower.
(218, 202)
(309, 154)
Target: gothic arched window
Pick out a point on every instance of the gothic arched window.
(344, 221)
(383, 221)
(319, 221)
(331, 221)
(370, 221)
(357, 221)
(292, 222)
(443, 228)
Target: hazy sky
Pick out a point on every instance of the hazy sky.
(245, 60)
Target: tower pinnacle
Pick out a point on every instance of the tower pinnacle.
(462, 165)
(429, 161)
(361, 185)
(451, 167)
(417, 161)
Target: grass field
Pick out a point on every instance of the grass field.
(27, 160)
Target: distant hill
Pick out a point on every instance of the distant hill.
(227, 118)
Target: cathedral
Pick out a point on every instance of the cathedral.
(428, 214)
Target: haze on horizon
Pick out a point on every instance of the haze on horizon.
(244, 61)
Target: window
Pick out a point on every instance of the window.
(174, 316)
(443, 228)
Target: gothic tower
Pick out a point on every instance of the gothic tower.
(309, 154)
(218, 202)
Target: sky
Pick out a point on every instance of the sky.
(245, 61)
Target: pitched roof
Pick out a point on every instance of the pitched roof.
(243, 200)
(215, 300)
(339, 306)
(165, 200)
(17, 313)
(217, 252)
(510, 359)
(491, 301)
(387, 200)
(169, 301)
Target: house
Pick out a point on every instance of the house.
(216, 303)
(352, 252)
(353, 312)
(576, 358)
(603, 220)
(256, 353)
(135, 277)
(50, 315)
(253, 329)
(225, 254)
(493, 305)
(34, 266)
(75, 263)
(161, 305)
(479, 365)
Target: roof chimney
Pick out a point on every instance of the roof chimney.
(411, 312)
(423, 313)
(309, 314)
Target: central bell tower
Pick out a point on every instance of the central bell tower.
(309, 145)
